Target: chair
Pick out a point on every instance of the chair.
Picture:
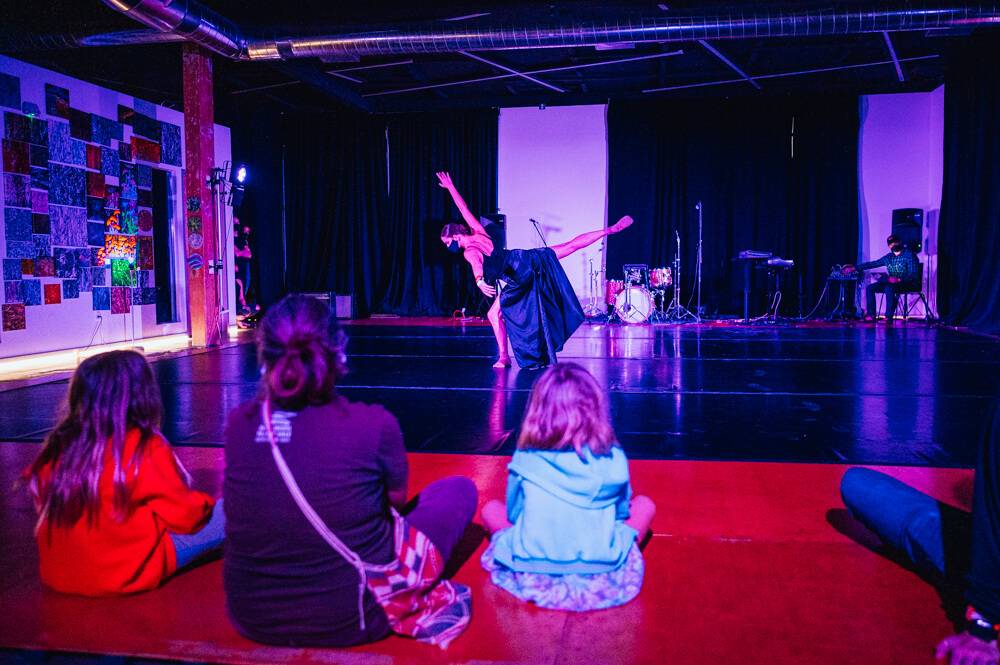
(917, 289)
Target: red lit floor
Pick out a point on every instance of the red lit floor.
(748, 564)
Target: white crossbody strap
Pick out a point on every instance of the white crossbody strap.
(314, 519)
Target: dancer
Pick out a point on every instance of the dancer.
(537, 307)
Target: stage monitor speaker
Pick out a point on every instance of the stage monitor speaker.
(342, 305)
(908, 225)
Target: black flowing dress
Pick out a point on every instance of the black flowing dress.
(538, 303)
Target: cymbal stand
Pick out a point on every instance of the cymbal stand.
(677, 312)
(594, 296)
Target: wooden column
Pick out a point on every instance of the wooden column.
(206, 325)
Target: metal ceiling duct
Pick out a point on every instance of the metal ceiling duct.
(187, 19)
(196, 22)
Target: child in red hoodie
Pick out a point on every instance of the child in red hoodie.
(116, 514)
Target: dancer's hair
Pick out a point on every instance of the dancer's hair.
(301, 346)
(567, 409)
(110, 394)
(455, 229)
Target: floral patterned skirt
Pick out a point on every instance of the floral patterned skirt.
(575, 592)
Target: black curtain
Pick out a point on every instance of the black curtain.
(335, 205)
(969, 229)
(421, 276)
(774, 174)
(257, 142)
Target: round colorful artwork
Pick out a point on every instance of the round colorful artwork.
(195, 241)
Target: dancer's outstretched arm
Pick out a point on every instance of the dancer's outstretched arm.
(444, 180)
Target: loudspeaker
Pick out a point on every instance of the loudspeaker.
(908, 225)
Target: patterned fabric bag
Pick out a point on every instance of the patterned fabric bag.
(416, 601)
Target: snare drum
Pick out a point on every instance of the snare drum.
(634, 305)
(611, 289)
(660, 278)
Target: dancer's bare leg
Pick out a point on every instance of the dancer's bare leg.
(589, 238)
(495, 317)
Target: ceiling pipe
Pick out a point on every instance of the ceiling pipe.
(195, 22)
(764, 23)
(188, 19)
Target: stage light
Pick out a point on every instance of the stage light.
(239, 174)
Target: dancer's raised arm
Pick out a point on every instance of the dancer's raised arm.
(444, 180)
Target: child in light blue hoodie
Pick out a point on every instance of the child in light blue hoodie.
(568, 535)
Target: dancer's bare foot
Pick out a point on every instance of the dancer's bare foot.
(621, 225)
(502, 363)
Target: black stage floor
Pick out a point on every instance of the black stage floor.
(911, 395)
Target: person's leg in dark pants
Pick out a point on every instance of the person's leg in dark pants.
(443, 510)
(890, 302)
(935, 537)
(871, 290)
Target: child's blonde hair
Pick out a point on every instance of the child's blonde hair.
(567, 408)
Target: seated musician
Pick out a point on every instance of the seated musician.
(901, 274)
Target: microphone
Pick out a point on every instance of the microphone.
(697, 206)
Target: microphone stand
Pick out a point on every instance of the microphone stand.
(698, 309)
(676, 311)
(538, 231)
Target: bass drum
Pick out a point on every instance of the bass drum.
(634, 305)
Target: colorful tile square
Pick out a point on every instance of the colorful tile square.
(85, 282)
(125, 152)
(68, 186)
(17, 224)
(121, 273)
(80, 125)
(10, 91)
(13, 317)
(11, 292)
(126, 182)
(109, 162)
(16, 127)
(45, 266)
(60, 146)
(39, 132)
(82, 259)
(95, 209)
(39, 201)
(145, 198)
(40, 223)
(99, 276)
(30, 291)
(145, 220)
(56, 101)
(69, 226)
(15, 157)
(43, 244)
(52, 294)
(71, 289)
(27, 266)
(144, 107)
(125, 115)
(95, 184)
(94, 157)
(11, 269)
(170, 144)
(16, 190)
(101, 298)
(144, 175)
(39, 178)
(144, 150)
(147, 127)
(145, 251)
(65, 262)
(104, 130)
(20, 249)
(38, 155)
(112, 197)
(121, 300)
(95, 234)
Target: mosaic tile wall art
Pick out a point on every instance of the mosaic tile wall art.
(77, 203)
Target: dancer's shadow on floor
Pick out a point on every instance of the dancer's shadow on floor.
(949, 589)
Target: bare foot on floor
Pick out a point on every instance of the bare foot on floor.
(621, 224)
(502, 363)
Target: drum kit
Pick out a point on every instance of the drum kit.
(641, 295)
